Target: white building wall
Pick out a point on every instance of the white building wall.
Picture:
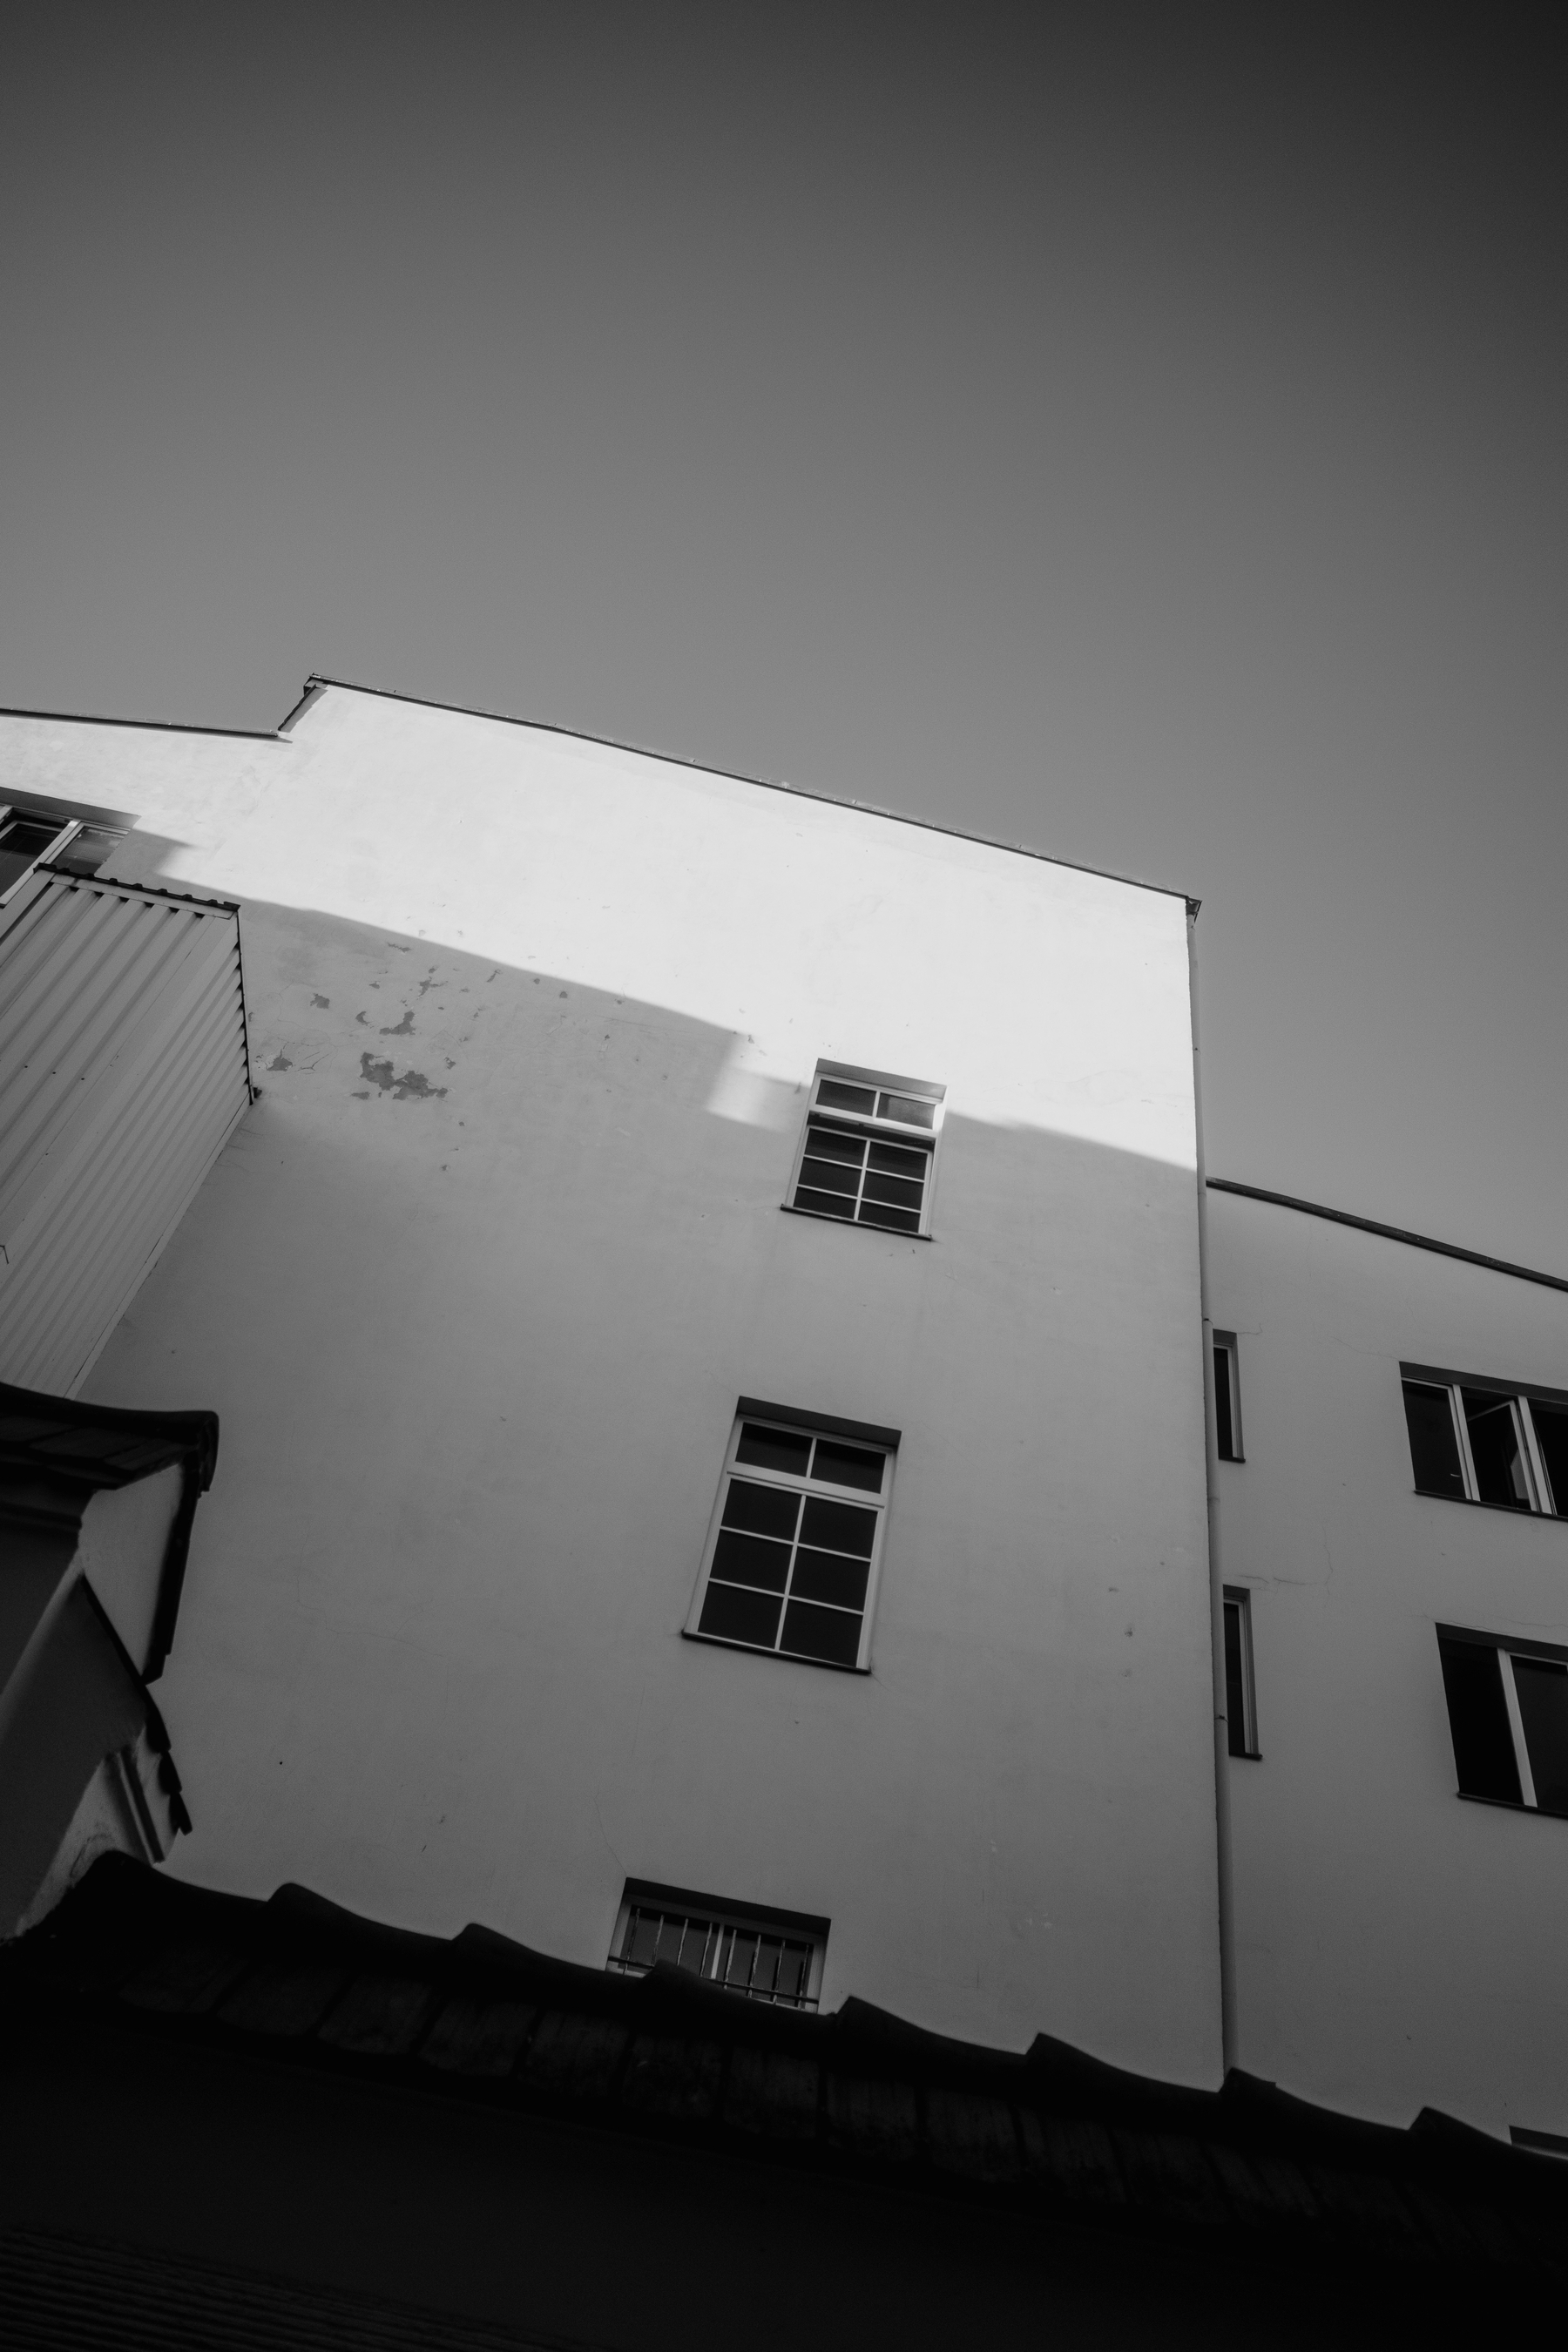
(478, 1283)
(1397, 1946)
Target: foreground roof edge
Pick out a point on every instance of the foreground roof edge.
(1388, 1232)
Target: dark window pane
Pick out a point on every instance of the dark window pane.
(732, 1615)
(765, 1968)
(829, 1634)
(1434, 1448)
(774, 1449)
(848, 1465)
(641, 1938)
(761, 1510)
(894, 1161)
(1235, 1679)
(1495, 1448)
(694, 1945)
(750, 1559)
(1478, 1718)
(834, 1095)
(898, 1194)
(828, 1576)
(825, 1204)
(794, 1972)
(908, 1110)
(829, 1175)
(831, 1143)
(1224, 1435)
(1543, 1688)
(740, 1958)
(838, 1527)
(896, 1221)
(1551, 1436)
(20, 844)
(672, 1928)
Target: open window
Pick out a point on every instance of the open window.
(869, 1150)
(1483, 1441)
(1508, 1714)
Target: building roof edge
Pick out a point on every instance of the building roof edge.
(1389, 1232)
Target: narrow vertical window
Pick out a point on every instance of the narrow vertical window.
(1227, 1398)
(1240, 1702)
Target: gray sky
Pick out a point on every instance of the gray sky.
(1134, 432)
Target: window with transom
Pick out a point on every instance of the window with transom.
(869, 1148)
(795, 1546)
(765, 1955)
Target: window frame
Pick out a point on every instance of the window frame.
(1541, 1501)
(880, 1131)
(799, 1423)
(1506, 1647)
(66, 831)
(744, 1918)
(1240, 1598)
(1224, 1343)
(71, 825)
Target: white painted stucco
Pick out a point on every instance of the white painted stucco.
(476, 1286)
(1397, 1946)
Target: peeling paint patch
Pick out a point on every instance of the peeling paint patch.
(324, 1002)
(413, 1084)
(362, 1094)
(400, 945)
(403, 1028)
(363, 1020)
(282, 1062)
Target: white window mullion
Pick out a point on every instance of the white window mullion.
(1516, 1725)
(1462, 1435)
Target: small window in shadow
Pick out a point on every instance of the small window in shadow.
(1227, 1398)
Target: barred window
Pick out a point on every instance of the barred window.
(795, 1548)
(772, 1956)
(869, 1149)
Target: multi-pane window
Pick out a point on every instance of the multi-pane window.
(1240, 1695)
(795, 1546)
(32, 835)
(869, 1148)
(1508, 1712)
(764, 1955)
(1227, 1397)
(1481, 1441)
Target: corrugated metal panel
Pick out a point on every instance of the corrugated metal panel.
(122, 1070)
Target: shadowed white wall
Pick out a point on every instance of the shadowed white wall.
(1397, 1946)
(479, 1282)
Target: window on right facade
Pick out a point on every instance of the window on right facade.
(1240, 1696)
(869, 1148)
(1484, 1441)
(1508, 1712)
